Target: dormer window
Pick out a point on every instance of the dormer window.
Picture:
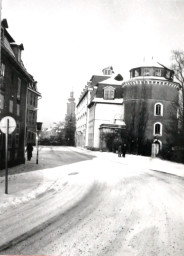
(108, 71)
(109, 92)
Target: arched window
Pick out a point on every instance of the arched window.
(158, 109)
(109, 93)
(157, 129)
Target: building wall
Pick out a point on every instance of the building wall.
(149, 92)
(31, 116)
(91, 125)
(14, 106)
(81, 121)
(13, 97)
(102, 114)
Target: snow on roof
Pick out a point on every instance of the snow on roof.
(112, 80)
(115, 101)
(98, 78)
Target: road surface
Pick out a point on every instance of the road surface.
(106, 207)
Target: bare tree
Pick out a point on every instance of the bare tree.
(70, 127)
(136, 126)
(178, 67)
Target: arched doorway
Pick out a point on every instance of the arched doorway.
(156, 147)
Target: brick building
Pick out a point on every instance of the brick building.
(151, 105)
(15, 81)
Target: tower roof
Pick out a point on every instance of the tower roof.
(148, 63)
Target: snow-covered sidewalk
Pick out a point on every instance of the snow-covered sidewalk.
(155, 164)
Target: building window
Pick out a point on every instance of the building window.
(16, 154)
(18, 128)
(18, 109)
(34, 101)
(18, 88)
(109, 93)
(157, 129)
(11, 106)
(3, 69)
(137, 72)
(158, 109)
(146, 72)
(31, 98)
(1, 101)
(157, 72)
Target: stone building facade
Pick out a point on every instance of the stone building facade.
(15, 81)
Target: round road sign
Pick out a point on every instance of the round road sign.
(4, 122)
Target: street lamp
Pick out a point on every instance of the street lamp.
(38, 129)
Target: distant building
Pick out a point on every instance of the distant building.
(71, 105)
(16, 82)
(151, 105)
(70, 121)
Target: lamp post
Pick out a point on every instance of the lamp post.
(38, 129)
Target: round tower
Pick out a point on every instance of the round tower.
(151, 105)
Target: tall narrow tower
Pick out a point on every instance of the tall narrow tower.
(71, 105)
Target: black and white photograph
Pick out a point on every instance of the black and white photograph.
(92, 127)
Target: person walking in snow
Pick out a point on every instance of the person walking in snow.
(119, 151)
(124, 148)
(29, 150)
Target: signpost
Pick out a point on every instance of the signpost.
(7, 126)
(38, 129)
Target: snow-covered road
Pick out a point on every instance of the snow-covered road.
(102, 207)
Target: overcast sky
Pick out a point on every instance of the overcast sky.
(68, 41)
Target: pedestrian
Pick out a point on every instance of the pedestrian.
(124, 148)
(29, 150)
(119, 151)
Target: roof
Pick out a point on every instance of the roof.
(101, 100)
(116, 79)
(110, 67)
(148, 63)
(95, 79)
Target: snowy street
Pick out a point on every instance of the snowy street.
(79, 202)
